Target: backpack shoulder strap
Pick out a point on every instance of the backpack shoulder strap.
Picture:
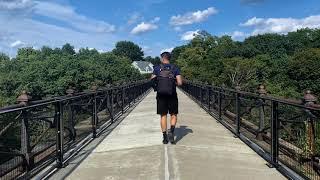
(173, 67)
(161, 67)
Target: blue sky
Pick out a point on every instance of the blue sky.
(155, 25)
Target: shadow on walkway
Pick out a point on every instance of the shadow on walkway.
(182, 131)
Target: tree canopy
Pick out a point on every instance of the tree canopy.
(128, 49)
(49, 72)
(287, 64)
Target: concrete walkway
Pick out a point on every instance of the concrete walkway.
(204, 150)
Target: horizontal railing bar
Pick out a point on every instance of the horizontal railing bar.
(292, 102)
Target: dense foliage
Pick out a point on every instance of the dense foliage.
(286, 64)
(128, 49)
(48, 72)
(154, 61)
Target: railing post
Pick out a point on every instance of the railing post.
(209, 90)
(23, 99)
(238, 113)
(25, 140)
(71, 122)
(262, 92)
(94, 111)
(274, 134)
(122, 99)
(309, 101)
(129, 95)
(59, 126)
(200, 94)
(111, 105)
(220, 103)
(134, 93)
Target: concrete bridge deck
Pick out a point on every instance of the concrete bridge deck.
(204, 150)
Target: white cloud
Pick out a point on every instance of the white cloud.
(167, 50)
(253, 22)
(143, 28)
(146, 50)
(192, 17)
(35, 33)
(21, 29)
(189, 35)
(69, 15)
(177, 28)
(281, 25)
(9, 5)
(16, 44)
(135, 17)
(156, 19)
(238, 35)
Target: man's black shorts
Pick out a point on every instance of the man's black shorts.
(167, 104)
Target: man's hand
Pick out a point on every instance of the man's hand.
(179, 80)
(153, 76)
(154, 82)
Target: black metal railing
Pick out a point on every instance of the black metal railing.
(284, 132)
(34, 134)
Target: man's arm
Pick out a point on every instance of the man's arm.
(153, 76)
(153, 79)
(179, 80)
(178, 77)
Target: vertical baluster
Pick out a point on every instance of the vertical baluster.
(94, 116)
(59, 127)
(220, 103)
(274, 134)
(111, 105)
(200, 94)
(134, 93)
(209, 97)
(122, 99)
(238, 113)
(71, 122)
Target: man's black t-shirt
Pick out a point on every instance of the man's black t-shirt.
(176, 71)
(166, 103)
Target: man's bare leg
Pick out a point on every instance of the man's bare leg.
(163, 123)
(173, 122)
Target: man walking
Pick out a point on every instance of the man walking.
(167, 76)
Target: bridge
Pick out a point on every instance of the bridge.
(114, 133)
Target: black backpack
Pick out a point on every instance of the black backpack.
(166, 80)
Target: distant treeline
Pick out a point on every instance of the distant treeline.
(286, 64)
(48, 72)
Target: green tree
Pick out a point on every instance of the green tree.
(176, 53)
(68, 49)
(128, 49)
(154, 61)
(304, 71)
(239, 72)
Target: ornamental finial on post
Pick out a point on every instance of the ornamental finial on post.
(94, 88)
(24, 98)
(70, 91)
(309, 101)
(238, 87)
(262, 90)
(309, 98)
